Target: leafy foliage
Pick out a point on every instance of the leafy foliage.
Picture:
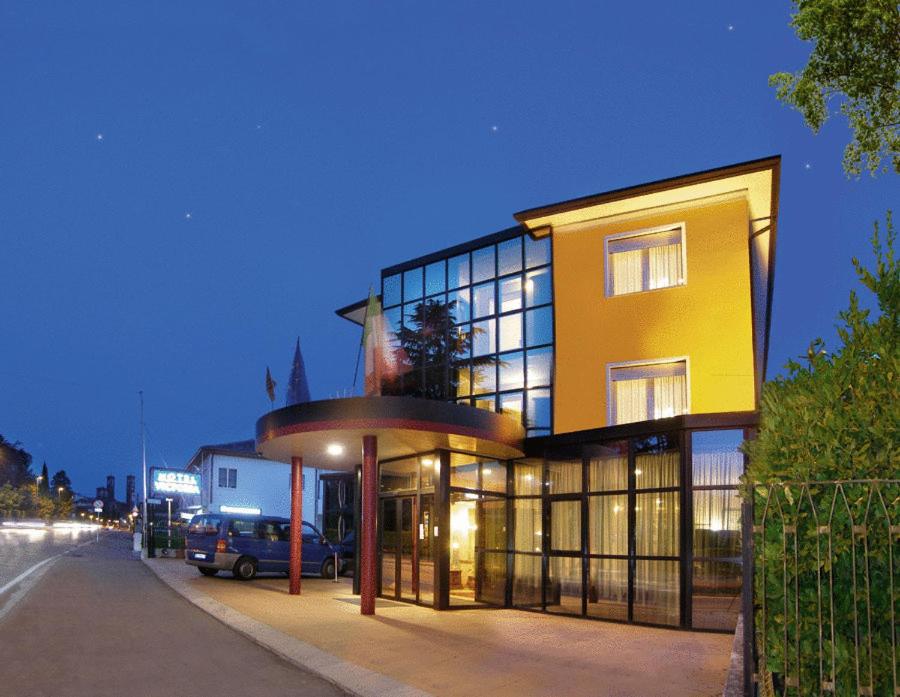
(431, 338)
(12, 500)
(856, 59)
(15, 463)
(823, 550)
(837, 417)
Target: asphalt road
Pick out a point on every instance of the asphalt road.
(21, 548)
(100, 623)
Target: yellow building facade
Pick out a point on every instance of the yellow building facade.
(713, 318)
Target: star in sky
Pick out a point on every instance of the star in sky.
(188, 215)
(730, 27)
(494, 129)
(99, 136)
(807, 166)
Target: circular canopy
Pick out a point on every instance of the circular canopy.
(328, 433)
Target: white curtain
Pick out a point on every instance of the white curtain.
(627, 271)
(669, 396)
(527, 515)
(719, 468)
(664, 266)
(630, 400)
(608, 520)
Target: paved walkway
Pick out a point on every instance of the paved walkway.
(100, 623)
(460, 652)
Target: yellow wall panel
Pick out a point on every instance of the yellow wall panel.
(708, 319)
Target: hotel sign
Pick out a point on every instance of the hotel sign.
(174, 482)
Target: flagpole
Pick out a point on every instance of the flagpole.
(362, 340)
(144, 471)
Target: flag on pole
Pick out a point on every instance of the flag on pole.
(270, 386)
(385, 358)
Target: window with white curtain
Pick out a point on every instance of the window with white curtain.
(645, 260)
(640, 392)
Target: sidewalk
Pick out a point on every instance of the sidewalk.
(406, 649)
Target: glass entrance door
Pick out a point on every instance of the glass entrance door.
(398, 549)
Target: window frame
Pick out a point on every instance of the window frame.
(641, 232)
(610, 367)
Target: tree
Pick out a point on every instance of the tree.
(15, 463)
(44, 480)
(855, 59)
(11, 500)
(434, 342)
(837, 416)
(59, 481)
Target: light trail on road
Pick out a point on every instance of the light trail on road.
(22, 548)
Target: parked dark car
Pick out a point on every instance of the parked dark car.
(246, 545)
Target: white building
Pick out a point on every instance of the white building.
(234, 476)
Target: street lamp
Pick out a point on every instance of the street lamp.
(169, 531)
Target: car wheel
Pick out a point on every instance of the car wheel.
(206, 571)
(328, 568)
(245, 568)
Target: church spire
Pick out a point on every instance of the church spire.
(298, 387)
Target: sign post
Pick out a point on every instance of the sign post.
(98, 509)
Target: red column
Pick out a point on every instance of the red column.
(367, 541)
(296, 557)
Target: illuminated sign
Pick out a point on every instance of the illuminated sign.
(174, 482)
(242, 510)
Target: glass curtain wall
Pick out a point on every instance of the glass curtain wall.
(478, 531)
(603, 532)
(406, 528)
(478, 329)
(717, 465)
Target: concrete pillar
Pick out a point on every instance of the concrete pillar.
(368, 553)
(296, 557)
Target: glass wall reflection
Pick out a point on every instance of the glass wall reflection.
(478, 329)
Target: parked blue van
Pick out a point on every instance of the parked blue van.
(246, 545)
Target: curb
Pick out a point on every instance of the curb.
(355, 679)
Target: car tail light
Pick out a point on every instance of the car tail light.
(220, 546)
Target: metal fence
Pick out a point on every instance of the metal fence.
(825, 588)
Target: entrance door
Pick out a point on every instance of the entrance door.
(398, 547)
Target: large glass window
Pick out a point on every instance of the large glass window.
(434, 278)
(390, 290)
(716, 464)
(509, 256)
(645, 260)
(537, 252)
(638, 392)
(465, 321)
(412, 284)
(458, 271)
(510, 293)
(538, 287)
(483, 266)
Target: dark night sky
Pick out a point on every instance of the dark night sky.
(187, 187)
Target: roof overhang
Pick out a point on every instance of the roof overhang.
(755, 180)
(356, 312)
(403, 426)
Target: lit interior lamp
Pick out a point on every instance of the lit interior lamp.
(637, 473)
(617, 508)
(486, 471)
(427, 462)
(335, 449)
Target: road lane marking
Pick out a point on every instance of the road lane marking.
(26, 581)
(25, 574)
